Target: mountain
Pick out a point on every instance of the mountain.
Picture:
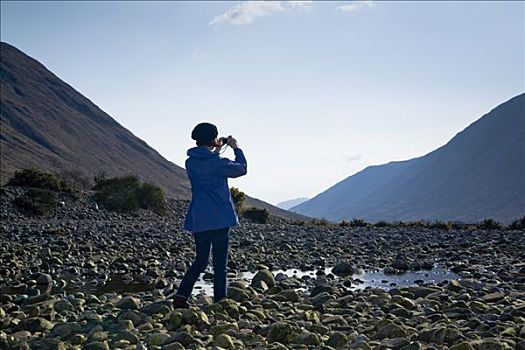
(292, 203)
(47, 124)
(478, 174)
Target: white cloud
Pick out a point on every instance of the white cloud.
(354, 5)
(307, 5)
(246, 12)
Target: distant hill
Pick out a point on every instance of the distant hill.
(478, 174)
(292, 203)
(47, 124)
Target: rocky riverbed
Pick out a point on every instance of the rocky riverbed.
(84, 278)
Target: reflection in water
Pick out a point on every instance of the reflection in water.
(122, 284)
(360, 281)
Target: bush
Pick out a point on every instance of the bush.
(344, 223)
(353, 223)
(489, 224)
(382, 224)
(238, 198)
(298, 222)
(358, 223)
(34, 178)
(319, 222)
(37, 201)
(440, 225)
(151, 197)
(75, 179)
(261, 216)
(127, 194)
(518, 224)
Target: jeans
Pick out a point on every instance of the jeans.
(218, 241)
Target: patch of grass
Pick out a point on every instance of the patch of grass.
(127, 194)
(261, 216)
(38, 201)
(489, 224)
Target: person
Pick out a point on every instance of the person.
(211, 212)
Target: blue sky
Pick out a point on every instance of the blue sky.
(314, 92)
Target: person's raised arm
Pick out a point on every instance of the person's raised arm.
(239, 166)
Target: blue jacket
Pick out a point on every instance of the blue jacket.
(211, 204)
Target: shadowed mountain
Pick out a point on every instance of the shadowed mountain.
(478, 174)
(47, 124)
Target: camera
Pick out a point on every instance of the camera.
(223, 140)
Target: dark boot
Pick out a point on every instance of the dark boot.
(180, 302)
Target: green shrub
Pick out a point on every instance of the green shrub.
(127, 194)
(34, 178)
(518, 224)
(440, 225)
(238, 198)
(353, 223)
(344, 223)
(151, 197)
(489, 224)
(37, 201)
(319, 222)
(261, 216)
(382, 224)
(358, 223)
(298, 222)
(75, 179)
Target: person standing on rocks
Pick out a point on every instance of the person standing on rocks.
(212, 211)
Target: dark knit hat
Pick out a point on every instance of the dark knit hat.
(204, 133)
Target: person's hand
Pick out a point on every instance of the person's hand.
(232, 142)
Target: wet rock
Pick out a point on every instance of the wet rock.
(337, 340)
(183, 337)
(491, 344)
(237, 294)
(222, 328)
(404, 302)
(194, 316)
(224, 341)
(343, 269)
(307, 338)
(290, 295)
(96, 345)
(493, 297)
(157, 339)
(462, 346)
(44, 279)
(157, 308)
(279, 332)
(128, 303)
(36, 324)
(265, 276)
(65, 330)
(388, 329)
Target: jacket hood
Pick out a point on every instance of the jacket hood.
(200, 153)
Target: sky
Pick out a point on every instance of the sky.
(313, 91)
